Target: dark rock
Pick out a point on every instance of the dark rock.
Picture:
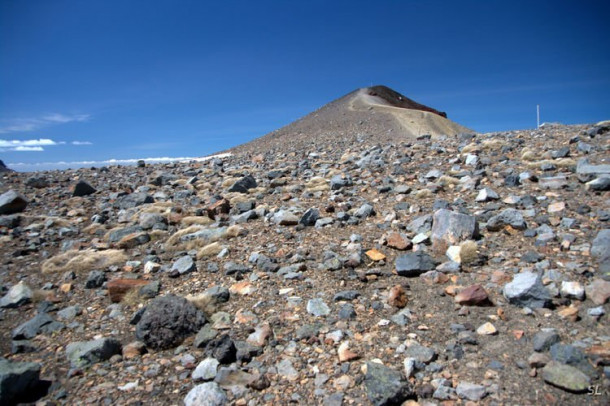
(37, 182)
(310, 217)
(12, 202)
(167, 321)
(17, 381)
(95, 280)
(340, 181)
(414, 264)
(385, 386)
(223, 349)
(133, 200)
(82, 188)
(204, 336)
(346, 295)
(243, 185)
(184, 265)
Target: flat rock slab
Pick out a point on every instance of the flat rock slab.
(84, 353)
(566, 377)
(414, 264)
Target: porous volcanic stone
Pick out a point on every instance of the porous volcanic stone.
(167, 321)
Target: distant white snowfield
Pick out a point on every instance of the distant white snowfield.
(47, 166)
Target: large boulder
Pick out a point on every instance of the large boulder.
(12, 202)
(17, 381)
(167, 321)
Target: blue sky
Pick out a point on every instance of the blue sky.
(93, 80)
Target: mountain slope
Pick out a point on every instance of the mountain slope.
(376, 111)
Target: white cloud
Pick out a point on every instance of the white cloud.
(81, 143)
(63, 118)
(35, 123)
(26, 143)
(22, 148)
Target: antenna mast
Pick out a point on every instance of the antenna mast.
(537, 116)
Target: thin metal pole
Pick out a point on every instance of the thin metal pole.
(537, 116)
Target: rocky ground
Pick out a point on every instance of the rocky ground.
(472, 269)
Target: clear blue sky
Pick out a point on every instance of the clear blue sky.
(100, 79)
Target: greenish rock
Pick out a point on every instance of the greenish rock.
(565, 377)
(84, 353)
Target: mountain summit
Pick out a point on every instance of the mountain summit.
(377, 111)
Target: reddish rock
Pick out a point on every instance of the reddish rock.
(473, 295)
(222, 206)
(398, 241)
(260, 335)
(134, 349)
(117, 288)
(397, 297)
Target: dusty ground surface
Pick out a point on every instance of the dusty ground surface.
(438, 347)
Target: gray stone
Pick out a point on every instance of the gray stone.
(285, 218)
(543, 340)
(420, 225)
(133, 200)
(184, 265)
(470, 391)
(12, 202)
(286, 370)
(243, 185)
(451, 228)
(421, 353)
(17, 380)
(486, 194)
(385, 386)
(340, 181)
(346, 295)
(82, 188)
(414, 264)
(527, 290)
(565, 377)
(37, 182)
(42, 323)
(507, 217)
(366, 210)
(573, 356)
(18, 295)
(117, 235)
(84, 353)
(206, 370)
(167, 321)
(317, 307)
(149, 220)
(206, 394)
(347, 312)
(600, 250)
(204, 336)
(584, 168)
(553, 182)
(599, 184)
(69, 313)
